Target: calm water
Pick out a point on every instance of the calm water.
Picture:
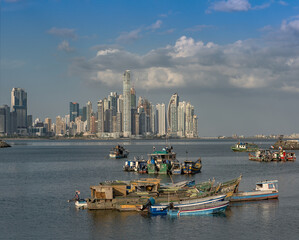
(38, 177)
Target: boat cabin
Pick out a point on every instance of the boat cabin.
(267, 185)
(162, 156)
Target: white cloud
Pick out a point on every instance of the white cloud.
(251, 65)
(128, 37)
(63, 32)
(155, 25)
(290, 88)
(290, 26)
(107, 51)
(65, 46)
(231, 5)
(187, 47)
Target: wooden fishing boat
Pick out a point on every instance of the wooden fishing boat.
(229, 187)
(176, 168)
(161, 209)
(160, 162)
(192, 167)
(118, 152)
(211, 208)
(245, 147)
(263, 190)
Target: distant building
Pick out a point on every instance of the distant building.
(19, 106)
(74, 111)
(172, 115)
(48, 124)
(133, 98)
(88, 114)
(161, 119)
(5, 120)
(100, 117)
(127, 105)
(60, 126)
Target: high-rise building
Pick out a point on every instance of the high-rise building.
(100, 117)
(19, 105)
(60, 126)
(161, 119)
(88, 114)
(172, 115)
(133, 98)
(74, 111)
(5, 120)
(181, 119)
(82, 113)
(127, 105)
(48, 123)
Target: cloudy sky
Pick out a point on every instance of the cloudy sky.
(236, 61)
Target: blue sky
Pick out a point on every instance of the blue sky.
(237, 61)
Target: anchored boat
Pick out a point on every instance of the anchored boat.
(263, 190)
(191, 167)
(118, 152)
(245, 147)
(161, 209)
(211, 208)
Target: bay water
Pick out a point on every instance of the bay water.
(37, 177)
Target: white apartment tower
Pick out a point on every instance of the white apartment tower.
(127, 105)
(161, 119)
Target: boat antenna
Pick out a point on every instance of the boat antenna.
(186, 155)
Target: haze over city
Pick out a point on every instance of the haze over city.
(236, 60)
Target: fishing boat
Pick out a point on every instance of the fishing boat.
(160, 162)
(191, 167)
(81, 203)
(267, 155)
(118, 152)
(130, 166)
(161, 209)
(263, 190)
(245, 147)
(210, 208)
(176, 168)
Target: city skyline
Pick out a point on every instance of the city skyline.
(235, 60)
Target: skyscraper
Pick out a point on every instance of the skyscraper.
(127, 105)
(172, 114)
(161, 119)
(100, 118)
(74, 111)
(88, 114)
(133, 98)
(19, 106)
(4, 120)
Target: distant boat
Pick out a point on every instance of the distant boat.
(161, 209)
(211, 208)
(191, 167)
(263, 190)
(267, 155)
(245, 147)
(119, 152)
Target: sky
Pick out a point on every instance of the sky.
(236, 61)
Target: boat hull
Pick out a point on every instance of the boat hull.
(81, 204)
(254, 196)
(207, 209)
(194, 203)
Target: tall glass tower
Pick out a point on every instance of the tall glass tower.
(172, 114)
(74, 111)
(127, 105)
(19, 106)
